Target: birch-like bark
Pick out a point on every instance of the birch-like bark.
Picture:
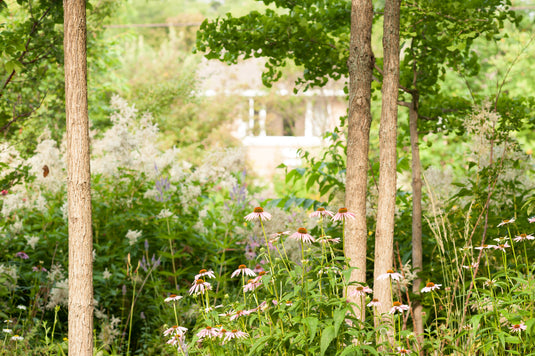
(360, 64)
(78, 181)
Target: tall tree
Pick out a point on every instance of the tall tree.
(78, 181)
(384, 238)
(360, 66)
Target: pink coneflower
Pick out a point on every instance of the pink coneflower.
(321, 212)
(531, 220)
(472, 265)
(199, 287)
(403, 351)
(328, 240)
(207, 332)
(251, 285)
(258, 269)
(205, 273)
(430, 287)
(172, 298)
(277, 235)
(398, 307)
(500, 240)
(234, 334)
(222, 333)
(258, 214)
(239, 313)
(288, 303)
(262, 307)
(485, 246)
(506, 221)
(516, 328)
(343, 214)
(302, 235)
(502, 247)
(4, 192)
(374, 303)
(523, 237)
(38, 268)
(243, 270)
(360, 291)
(175, 330)
(22, 255)
(390, 274)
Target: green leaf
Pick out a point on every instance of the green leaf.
(339, 316)
(312, 324)
(259, 345)
(326, 338)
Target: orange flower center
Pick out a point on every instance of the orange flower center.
(208, 328)
(172, 296)
(430, 284)
(516, 326)
(258, 210)
(506, 221)
(261, 273)
(375, 300)
(396, 304)
(342, 210)
(242, 266)
(302, 230)
(234, 331)
(200, 281)
(202, 271)
(389, 271)
(523, 235)
(359, 288)
(321, 209)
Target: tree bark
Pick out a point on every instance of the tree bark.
(417, 253)
(360, 65)
(78, 181)
(384, 238)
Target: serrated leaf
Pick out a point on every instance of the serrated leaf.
(339, 316)
(327, 337)
(312, 324)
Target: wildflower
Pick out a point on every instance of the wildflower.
(227, 314)
(262, 307)
(251, 285)
(430, 287)
(343, 214)
(531, 220)
(302, 235)
(507, 221)
(172, 298)
(205, 273)
(208, 332)
(523, 237)
(106, 274)
(177, 340)
(22, 255)
(289, 303)
(501, 240)
(390, 274)
(502, 247)
(403, 351)
(17, 338)
(489, 283)
(258, 214)
(243, 270)
(321, 212)
(485, 246)
(234, 334)
(132, 236)
(360, 291)
(209, 309)
(239, 313)
(175, 330)
(472, 265)
(258, 269)
(199, 287)
(374, 303)
(398, 307)
(38, 268)
(222, 333)
(276, 236)
(7, 331)
(516, 328)
(21, 307)
(164, 213)
(327, 239)
(4, 192)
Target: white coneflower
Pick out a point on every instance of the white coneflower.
(258, 214)
(430, 287)
(524, 237)
(239, 313)
(360, 291)
(243, 270)
(374, 303)
(234, 334)
(251, 285)
(17, 338)
(205, 273)
(398, 307)
(207, 332)
(390, 274)
(175, 330)
(173, 298)
(506, 221)
(343, 214)
(321, 212)
(199, 286)
(302, 235)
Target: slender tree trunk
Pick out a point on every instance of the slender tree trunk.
(417, 253)
(384, 240)
(78, 181)
(360, 64)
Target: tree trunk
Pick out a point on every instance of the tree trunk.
(360, 64)
(417, 260)
(78, 181)
(384, 239)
